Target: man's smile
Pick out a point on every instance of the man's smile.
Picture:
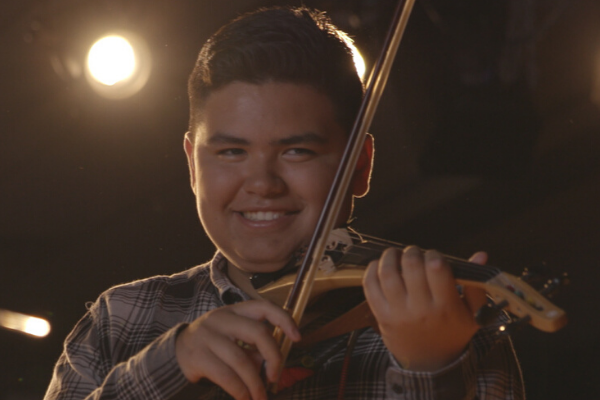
(262, 215)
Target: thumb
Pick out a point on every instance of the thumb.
(475, 297)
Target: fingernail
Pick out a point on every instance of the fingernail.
(433, 254)
(433, 257)
(411, 248)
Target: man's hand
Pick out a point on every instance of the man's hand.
(208, 347)
(422, 318)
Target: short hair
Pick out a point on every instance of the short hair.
(291, 45)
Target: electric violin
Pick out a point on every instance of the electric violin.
(342, 269)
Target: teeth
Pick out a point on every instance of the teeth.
(262, 215)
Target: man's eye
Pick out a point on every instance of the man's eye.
(231, 152)
(300, 151)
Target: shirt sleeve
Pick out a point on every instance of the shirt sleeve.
(87, 370)
(487, 370)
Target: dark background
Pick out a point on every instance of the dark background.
(487, 138)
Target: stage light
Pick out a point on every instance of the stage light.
(118, 65)
(111, 60)
(24, 323)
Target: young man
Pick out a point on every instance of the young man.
(273, 96)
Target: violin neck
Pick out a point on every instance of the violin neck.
(362, 252)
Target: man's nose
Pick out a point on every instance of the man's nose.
(263, 178)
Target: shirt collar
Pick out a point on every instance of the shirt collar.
(228, 292)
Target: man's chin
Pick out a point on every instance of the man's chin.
(260, 257)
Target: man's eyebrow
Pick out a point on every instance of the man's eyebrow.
(308, 137)
(223, 138)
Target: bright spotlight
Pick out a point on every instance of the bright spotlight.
(118, 65)
(24, 323)
(111, 60)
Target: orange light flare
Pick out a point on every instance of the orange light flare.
(24, 323)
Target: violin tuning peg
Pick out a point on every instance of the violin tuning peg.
(536, 274)
(512, 327)
(489, 313)
(552, 286)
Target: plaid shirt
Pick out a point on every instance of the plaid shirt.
(124, 348)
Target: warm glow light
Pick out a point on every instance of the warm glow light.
(37, 327)
(24, 323)
(118, 65)
(359, 62)
(111, 60)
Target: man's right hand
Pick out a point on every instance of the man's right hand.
(208, 348)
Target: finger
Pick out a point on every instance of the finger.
(218, 372)
(262, 310)
(257, 334)
(481, 258)
(223, 376)
(241, 364)
(261, 336)
(474, 297)
(372, 289)
(415, 276)
(392, 283)
(242, 332)
(440, 277)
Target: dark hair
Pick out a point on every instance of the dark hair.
(295, 45)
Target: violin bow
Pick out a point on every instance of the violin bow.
(300, 291)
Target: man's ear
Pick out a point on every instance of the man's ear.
(364, 166)
(188, 147)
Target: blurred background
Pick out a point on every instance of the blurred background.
(488, 137)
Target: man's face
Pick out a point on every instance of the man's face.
(261, 164)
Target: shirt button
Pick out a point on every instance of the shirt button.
(397, 389)
(231, 298)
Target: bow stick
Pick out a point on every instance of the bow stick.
(300, 291)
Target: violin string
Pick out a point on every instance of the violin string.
(468, 269)
(462, 268)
